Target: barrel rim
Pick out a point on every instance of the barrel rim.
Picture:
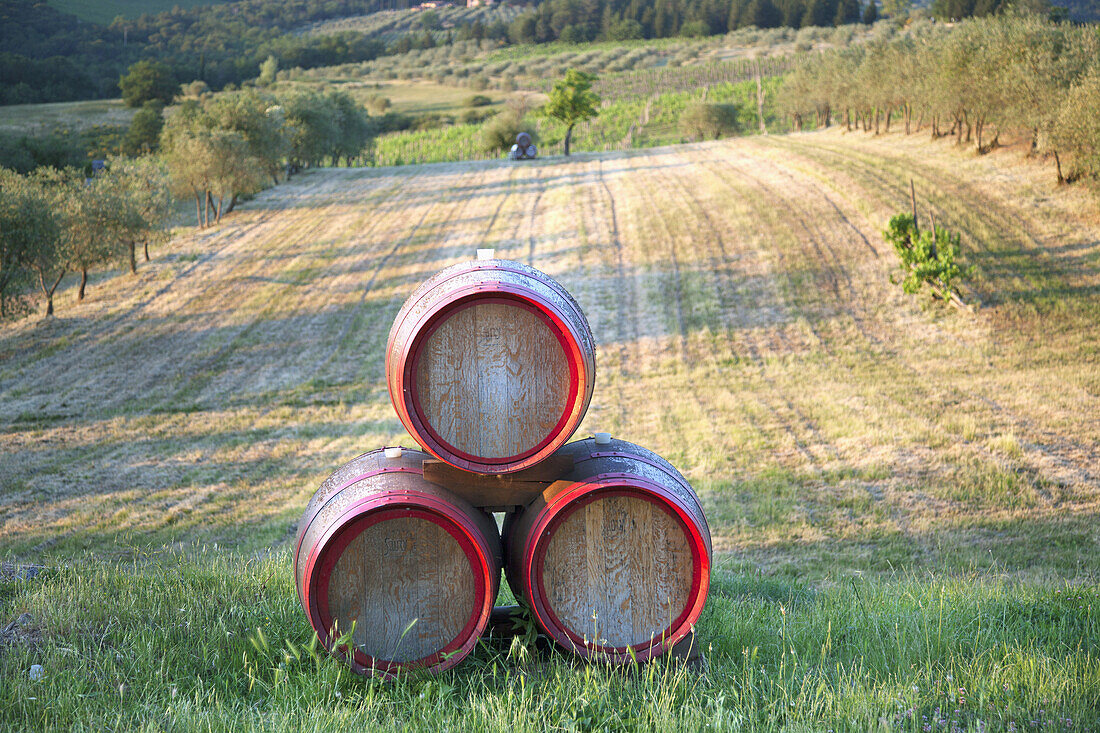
(321, 505)
(577, 496)
(459, 269)
(360, 516)
(567, 339)
(307, 520)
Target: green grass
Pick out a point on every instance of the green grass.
(40, 118)
(196, 639)
(105, 11)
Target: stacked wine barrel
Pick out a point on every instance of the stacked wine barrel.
(490, 366)
(524, 149)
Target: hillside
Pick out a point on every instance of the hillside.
(904, 498)
(739, 292)
(105, 11)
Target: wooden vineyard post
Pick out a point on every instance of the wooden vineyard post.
(490, 366)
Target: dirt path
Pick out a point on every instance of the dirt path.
(747, 329)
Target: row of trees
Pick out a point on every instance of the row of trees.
(54, 221)
(230, 145)
(978, 81)
(575, 22)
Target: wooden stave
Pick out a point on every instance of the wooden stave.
(347, 495)
(445, 291)
(525, 533)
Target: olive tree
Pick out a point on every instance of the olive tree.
(28, 235)
(1077, 129)
(572, 100)
(146, 202)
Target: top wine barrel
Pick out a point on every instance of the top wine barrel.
(523, 140)
(490, 365)
(614, 559)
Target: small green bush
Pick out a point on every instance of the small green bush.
(478, 100)
(927, 257)
(499, 133)
(703, 121)
(377, 104)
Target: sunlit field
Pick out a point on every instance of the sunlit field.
(904, 497)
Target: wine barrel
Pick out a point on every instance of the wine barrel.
(614, 560)
(406, 568)
(532, 151)
(490, 366)
(523, 140)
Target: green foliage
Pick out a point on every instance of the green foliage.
(326, 126)
(499, 133)
(896, 8)
(28, 229)
(268, 71)
(478, 100)
(145, 127)
(56, 149)
(430, 21)
(572, 100)
(218, 149)
(705, 121)
(927, 257)
(377, 104)
(1012, 74)
(148, 81)
(1077, 128)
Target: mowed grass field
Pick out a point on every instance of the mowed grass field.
(904, 498)
(36, 119)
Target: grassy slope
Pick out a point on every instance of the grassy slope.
(43, 118)
(747, 330)
(105, 11)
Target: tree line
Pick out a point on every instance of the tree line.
(980, 80)
(56, 221)
(215, 150)
(51, 56)
(235, 144)
(48, 55)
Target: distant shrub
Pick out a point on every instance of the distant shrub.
(394, 122)
(478, 100)
(195, 89)
(703, 121)
(480, 82)
(694, 29)
(474, 116)
(499, 133)
(927, 257)
(377, 104)
(431, 121)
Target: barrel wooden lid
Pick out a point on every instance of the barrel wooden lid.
(404, 587)
(494, 379)
(490, 365)
(618, 570)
